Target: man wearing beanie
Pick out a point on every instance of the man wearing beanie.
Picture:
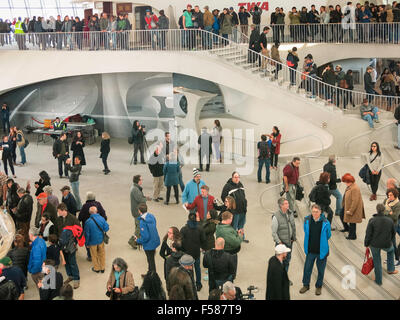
(192, 188)
(182, 276)
(14, 274)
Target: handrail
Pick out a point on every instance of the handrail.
(365, 133)
(187, 40)
(390, 164)
(274, 186)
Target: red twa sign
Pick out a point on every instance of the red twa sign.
(251, 5)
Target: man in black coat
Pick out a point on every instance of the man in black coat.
(330, 167)
(205, 143)
(23, 213)
(69, 200)
(193, 238)
(220, 265)
(397, 117)
(277, 277)
(156, 166)
(254, 44)
(61, 153)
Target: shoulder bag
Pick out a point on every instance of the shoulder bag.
(106, 238)
(368, 264)
(364, 172)
(133, 295)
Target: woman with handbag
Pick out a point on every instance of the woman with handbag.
(375, 165)
(352, 207)
(172, 235)
(120, 282)
(151, 288)
(275, 137)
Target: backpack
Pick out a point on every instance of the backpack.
(313, 194)
(70, 247)
(73, 240)
(264, 150)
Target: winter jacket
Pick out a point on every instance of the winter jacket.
(104, 147)
(136, 197)
(322, 196)
(8, 290)
(93, 234)
(231, 237)
(198, 20)
(70, 202)
(352, 202)
(125, 278)
(220, 266)
(51, 293)
(276, 143)
(57, 147)
(329, 77)
(20, 258)
(156, 165)
(283, 228)
(395, 212)
(75, 171)
(331, 169)
(77, 150)
(163, 22)
(149, 237)
(350, 81)
(37, 256)
(137, 135)
(93, 25)
(7, 150)
(183, 278)
(198, 203)
(24, 209)
(380, 232)
(205, 143)
(277, 281)
(294, 17)
(209, 228)
(225, 22)
(171, 173)
(16, 275)
(84, 213)
(292, 59)
(256, 16)
(41, 184)
(171, 262)
(62, 222)
(237, 192)
(193, 238)
(208, 18)
(325, 235)
(50, 210)
(103, 24)
(191, 191)
(254, 41)
(368, 84)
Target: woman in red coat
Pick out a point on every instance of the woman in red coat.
(276, 146)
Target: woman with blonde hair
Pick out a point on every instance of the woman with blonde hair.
(105, 150)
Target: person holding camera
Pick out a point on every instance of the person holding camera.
(120, 281)
(138, 133)
(290, 180)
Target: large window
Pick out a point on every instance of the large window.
(10, 9)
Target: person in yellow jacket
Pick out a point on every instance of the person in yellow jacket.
(20, 30)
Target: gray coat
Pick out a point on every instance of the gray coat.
(163, 22)
(283, 228)
(136, 198)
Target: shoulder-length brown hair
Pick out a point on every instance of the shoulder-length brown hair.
(231, 202)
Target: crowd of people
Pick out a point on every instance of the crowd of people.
(352, 23)
(212, 237)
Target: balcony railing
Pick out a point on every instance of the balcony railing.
(191, 40)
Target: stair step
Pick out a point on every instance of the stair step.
(238, 57)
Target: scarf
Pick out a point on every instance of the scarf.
(169, 243)
(390, 204)
(117, 276)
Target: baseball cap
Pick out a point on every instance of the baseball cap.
(281, 248)
(42, 196)
(6, 261)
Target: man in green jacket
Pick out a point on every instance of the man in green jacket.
(232, 238)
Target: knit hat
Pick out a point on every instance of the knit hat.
(42, 196)
(186, 260)
(6, 261)
(195, 172)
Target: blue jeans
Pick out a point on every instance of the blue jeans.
(309, 265)
(197, 271)
(71, 267)
(75, 191)
(6, 124)
(267, 163)
(23, 157)
(336, 193)
(376, 256)
(369, 118)
(239, 220)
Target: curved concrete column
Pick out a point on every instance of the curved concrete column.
(196, 100)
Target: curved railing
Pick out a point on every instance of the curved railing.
(192, 40)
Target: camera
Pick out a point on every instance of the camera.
(249, 295)
(282, 193)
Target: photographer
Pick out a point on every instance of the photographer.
(138, 133)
